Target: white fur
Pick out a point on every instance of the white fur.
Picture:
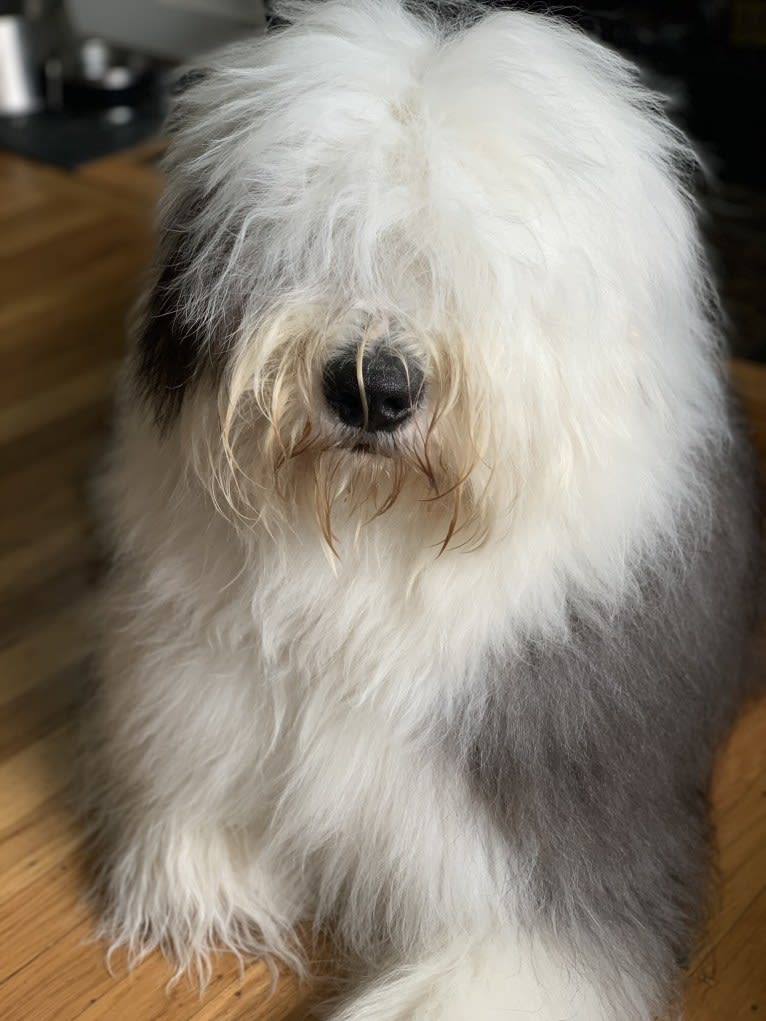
(499, 978)
(270, 714)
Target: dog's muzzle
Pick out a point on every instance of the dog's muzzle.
(392, 388)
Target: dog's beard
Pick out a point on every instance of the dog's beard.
(275, 460)
(276, 474)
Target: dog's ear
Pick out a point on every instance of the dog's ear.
(188, 318)
(182, 338)
(177, 339)
(169, 344)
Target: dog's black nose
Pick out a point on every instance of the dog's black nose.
(392, 385)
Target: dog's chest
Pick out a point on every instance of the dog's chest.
(359, 630)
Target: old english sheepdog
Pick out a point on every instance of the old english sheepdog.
(436, 542)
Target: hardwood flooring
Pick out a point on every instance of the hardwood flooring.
(72, 248)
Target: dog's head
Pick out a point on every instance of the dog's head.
(444, 269)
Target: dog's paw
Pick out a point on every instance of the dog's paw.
(192, 896)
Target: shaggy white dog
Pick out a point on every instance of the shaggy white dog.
(435, 546)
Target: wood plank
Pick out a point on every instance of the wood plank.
(56, 644)
(133, 172)
(35, 920)
(73, 395)
(35, 847)
(739, 811)
(730, 985)
(231, 995)
(35, 774)
(68, 977)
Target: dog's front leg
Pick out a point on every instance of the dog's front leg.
(180, 790)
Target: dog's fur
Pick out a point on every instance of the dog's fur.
(454, 695)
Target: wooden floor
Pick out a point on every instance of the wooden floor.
(71, 251)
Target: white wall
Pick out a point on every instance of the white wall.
(173, 28)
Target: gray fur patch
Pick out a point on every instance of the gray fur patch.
(594, 755)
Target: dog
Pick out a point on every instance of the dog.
(435, 529)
